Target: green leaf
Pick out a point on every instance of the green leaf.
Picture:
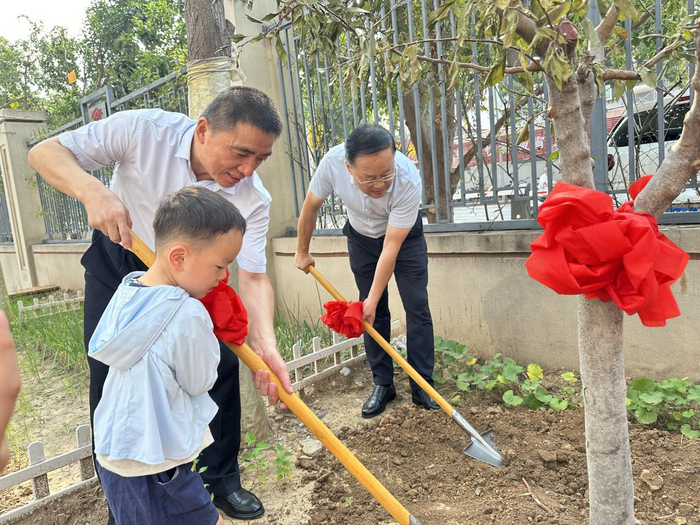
(511, 399)
(457, 401)
(688, 432)
(618, 89)
(648, 77)
(532, 402)
(567, 376)
(249, 438)
(643, 385)
(589, 29)
(253, 19)
(463, 386)
(554, 156)
(694, 394)
(496, 73)
(523, 134)
(625, 9)
(653, 399)
(542, 395)
(534, 371)
(644, 416)
(510, 372)
(502, 4)
(559, 404)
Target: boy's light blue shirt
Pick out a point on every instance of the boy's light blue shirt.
(163, 356)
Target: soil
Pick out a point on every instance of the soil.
(418, 456)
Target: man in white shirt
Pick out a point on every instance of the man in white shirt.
(381, 189)
(156, 152)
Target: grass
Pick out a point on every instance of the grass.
(291, 329)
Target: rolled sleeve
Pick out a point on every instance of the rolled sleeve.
(404, 214)
(322, 182)
(252, 256)
(103, 143)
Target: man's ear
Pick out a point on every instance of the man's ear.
(177, 254)
(347, 165)
(201, 129)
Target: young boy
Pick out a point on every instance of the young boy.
(157, 339)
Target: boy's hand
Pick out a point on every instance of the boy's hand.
(261, 378)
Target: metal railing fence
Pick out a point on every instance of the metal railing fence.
(483, 175)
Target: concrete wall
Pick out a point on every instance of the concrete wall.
(481, 295)
(59, 264)
(10, 268)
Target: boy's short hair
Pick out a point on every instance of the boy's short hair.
(195, 214)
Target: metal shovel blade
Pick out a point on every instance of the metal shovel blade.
(488, 454)
(482, 446)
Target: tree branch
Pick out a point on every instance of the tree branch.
(682, 162)
(667, 50)
(605, 27)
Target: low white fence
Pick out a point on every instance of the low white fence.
(39, 467)
(51, 306)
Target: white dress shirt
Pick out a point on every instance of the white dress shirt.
(150, 150)
(369, 216)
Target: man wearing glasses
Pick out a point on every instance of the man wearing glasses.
(381, 190)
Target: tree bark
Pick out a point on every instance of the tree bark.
(682, 162)
(207, 35)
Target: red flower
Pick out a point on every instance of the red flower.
(227, 313)
(590, 248)
(344, 317)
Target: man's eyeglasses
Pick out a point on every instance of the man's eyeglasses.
(385, 179)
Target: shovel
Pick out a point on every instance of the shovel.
(306, 415)
(482, 446)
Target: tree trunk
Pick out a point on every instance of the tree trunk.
(209, 72)
(442, 194)
(611, 489)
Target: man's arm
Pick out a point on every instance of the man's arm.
(105, 211)
(385, 267)
(9, 385)
(305, 228)
(256, 293)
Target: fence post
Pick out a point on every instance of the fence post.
(337, 356)
(296, 352)
(316, 348)
(82, 437)
(40, 484)
(21, 193)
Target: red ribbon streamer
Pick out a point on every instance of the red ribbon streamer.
(227, 313)
(590, 248)
(344, 317)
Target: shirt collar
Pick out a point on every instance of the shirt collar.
(185, 149)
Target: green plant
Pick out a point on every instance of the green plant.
(347, 501)
(283, 463)
(290, 329)
(254, 457)
(671, 402)
(451, 359)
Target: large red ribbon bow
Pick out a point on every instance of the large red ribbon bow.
(227, 313)
(590, 248)
(344, 317)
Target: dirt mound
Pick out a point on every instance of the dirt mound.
(418, 456)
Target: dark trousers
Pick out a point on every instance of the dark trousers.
(411, 273)
(106, 264)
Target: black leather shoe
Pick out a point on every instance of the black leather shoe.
(241, 505)
(376, 402)
(421, 397)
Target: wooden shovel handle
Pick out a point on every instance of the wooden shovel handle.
(388, 348)
(306, 415)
